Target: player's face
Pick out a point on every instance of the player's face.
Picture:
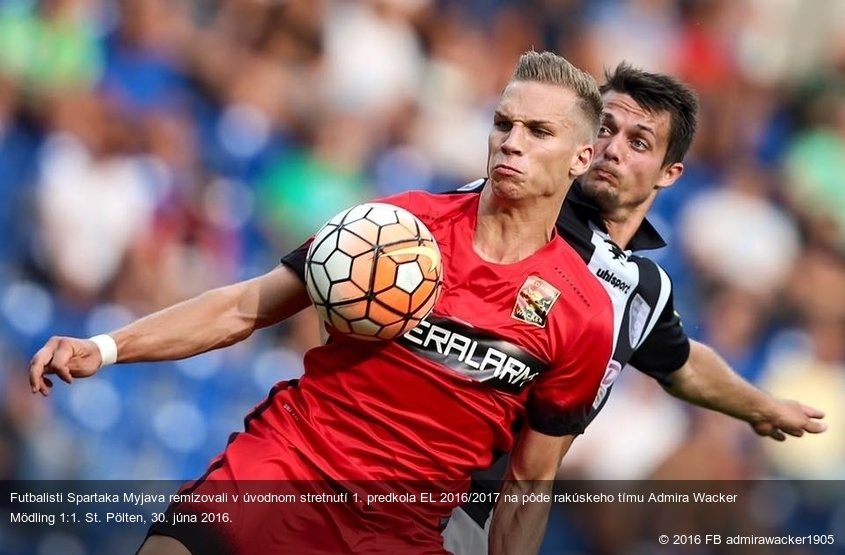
(628, 167)
(539, 142)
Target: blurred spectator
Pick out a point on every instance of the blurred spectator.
(815, 163)
(736, 236)
(808, 362)
(93, 199)
(816, 290)
(451, 123)
(367, 30)
(815, 373)
(50, 45)
(18, 144)
(306, 187)
(145, 57)
(783, 41)
(737, 323)
(642, 32)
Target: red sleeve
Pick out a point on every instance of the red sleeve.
(561, 399)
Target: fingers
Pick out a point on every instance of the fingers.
(812, 412)
(59, 362)
(811, 427)
(815, 426)
(796, 419)
(811, 422)
(777, 435)
(38, 367)
(52, 358)
(37, 382)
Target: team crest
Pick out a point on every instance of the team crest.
(534, 301)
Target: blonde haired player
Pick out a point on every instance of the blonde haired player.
(521, 332)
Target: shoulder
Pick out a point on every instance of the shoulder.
(587, 295)
(430, 206)
(649, 269)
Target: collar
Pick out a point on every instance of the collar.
(645, 238)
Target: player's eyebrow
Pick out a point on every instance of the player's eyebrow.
(607, 117)
(497, 115)
(646, 129)
(538, 122)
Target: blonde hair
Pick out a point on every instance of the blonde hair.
(547, 67)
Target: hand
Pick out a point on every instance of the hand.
(67, 358)
(789, 417)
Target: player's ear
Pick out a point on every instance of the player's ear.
(669, 175)
(581, 160)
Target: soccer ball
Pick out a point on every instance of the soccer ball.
(373, 271)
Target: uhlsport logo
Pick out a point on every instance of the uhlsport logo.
(534, 301)
(610, 277)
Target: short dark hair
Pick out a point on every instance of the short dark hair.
(658, 92)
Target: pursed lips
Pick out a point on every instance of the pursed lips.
(604, 173)
(505, 169)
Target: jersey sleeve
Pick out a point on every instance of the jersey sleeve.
(665, 349)
(295, 259)
(561, 400)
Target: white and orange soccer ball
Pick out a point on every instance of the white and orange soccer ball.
(373, 271)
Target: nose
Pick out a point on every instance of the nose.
(512, 142)
(610, 148)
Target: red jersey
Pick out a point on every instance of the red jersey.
(441, 402)
(505, 344)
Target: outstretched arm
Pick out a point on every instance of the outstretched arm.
(214, 319)
(521, 513)
(706, 380)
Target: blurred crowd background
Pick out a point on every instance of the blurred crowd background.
(152, 149)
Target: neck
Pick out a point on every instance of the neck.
(622, 224)
(509, 231)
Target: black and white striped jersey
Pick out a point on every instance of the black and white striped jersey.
(648, 332)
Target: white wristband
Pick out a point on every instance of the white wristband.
(108, 348)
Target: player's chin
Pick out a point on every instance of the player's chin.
(507, 188)
(601, 191)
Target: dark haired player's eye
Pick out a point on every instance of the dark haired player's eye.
(639, 144)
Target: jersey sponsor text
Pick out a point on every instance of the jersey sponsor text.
(479, 356)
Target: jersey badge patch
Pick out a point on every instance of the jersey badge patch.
(637, 319)
(534, 301)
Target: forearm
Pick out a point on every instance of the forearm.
(215, 319)
(520, 516)
(708, 381)
(200, 324)
(519, 526)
